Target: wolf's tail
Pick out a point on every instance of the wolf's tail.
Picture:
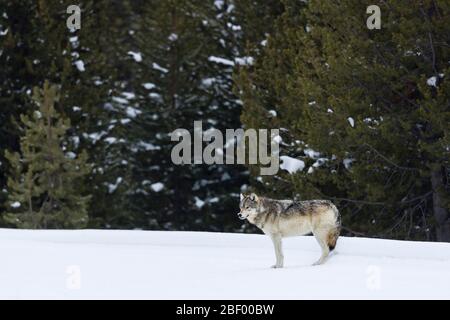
(333, 234)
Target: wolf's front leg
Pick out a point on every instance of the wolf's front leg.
(276, 239)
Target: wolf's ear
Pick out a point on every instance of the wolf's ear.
(242, 197)
(254, 197)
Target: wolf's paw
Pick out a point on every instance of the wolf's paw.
(318, 262)
(277, 266)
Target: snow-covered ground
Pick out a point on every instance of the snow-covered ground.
(189, 265)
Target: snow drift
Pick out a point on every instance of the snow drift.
(188, 265)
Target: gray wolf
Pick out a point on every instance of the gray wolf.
(286, 218)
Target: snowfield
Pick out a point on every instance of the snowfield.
(192, 265)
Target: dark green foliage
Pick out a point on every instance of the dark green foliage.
(45, 177)
(366, 110)
(39, 46)
(177, 83)
(121, 123)
(324, 69)
(257, 19)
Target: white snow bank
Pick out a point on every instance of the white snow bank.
(220, 60)
(157, 187)
(80, 65)
(311, 153)
(16, 205)
(187, 265)
(351, 121)
(149, 85)
(133, 112)
(432, 81)
(137, 56)
(291, 165)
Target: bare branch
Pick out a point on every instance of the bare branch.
(390, 161)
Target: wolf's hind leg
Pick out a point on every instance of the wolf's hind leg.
(332, 238)
(321, 237)
(277, 243)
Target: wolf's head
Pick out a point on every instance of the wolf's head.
(248, 206)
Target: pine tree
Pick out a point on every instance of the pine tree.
(257, 20)
(366, 111)
(8, 99)
(44, 184)
(88, 64)
(177, 81)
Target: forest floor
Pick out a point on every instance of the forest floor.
(94, 264)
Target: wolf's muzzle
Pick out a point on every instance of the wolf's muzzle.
(240, 216)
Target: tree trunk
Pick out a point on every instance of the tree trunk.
(439, 210)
